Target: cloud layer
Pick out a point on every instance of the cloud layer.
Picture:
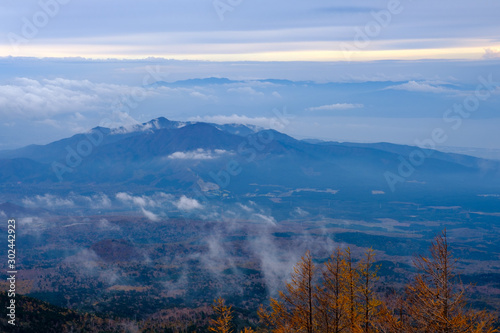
(314, 30)
(422, 87)
(337, 106)
(365, 102)
(198, 154)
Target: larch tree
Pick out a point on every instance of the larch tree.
(346, 301)
(278, 318)
(299, 294)
(331, 295)
(222, 323)
(367, 297)
(435, 302)
(294, 311)
(393, 315)
(351, 276)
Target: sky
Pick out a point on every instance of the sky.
(398, 67)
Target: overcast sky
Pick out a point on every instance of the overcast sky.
(96, 52)
(251, 30)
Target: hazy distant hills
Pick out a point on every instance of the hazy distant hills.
(11, 210)
(177, 156)
(220, 81)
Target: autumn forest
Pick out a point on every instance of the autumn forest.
(343, 296)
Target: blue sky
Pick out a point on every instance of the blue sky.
(65, 66)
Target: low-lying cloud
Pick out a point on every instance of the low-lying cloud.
(187, 204)
(49, 201)
(335, 107)
(198, 154)
(422, 87)
(159, 200)
(41, 99)
(150, 215)
(245, 90)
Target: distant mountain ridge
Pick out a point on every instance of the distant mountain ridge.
(44, 153)
(175, 156)
(221, 81)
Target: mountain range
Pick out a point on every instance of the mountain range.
(180, 156)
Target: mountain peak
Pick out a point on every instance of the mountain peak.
(100, 129)
(160, 122)
(161, 118)
(202, 127)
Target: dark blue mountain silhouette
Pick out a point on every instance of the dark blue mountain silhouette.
(175, 155)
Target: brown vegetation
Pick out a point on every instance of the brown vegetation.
(341, 298)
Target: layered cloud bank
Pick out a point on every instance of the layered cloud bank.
(237, 31)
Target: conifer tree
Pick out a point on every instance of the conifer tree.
(299, 296)
(351, 276)
(435, 303)
(367, 298)
(332, 299)
(346, 301)
(278, 319)
(393, 315)
(295, 309)
(222, 323)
